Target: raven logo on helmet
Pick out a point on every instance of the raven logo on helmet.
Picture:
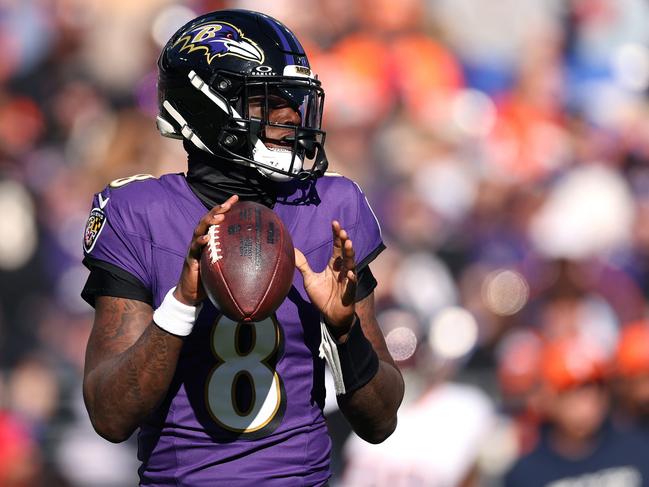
(217, 39)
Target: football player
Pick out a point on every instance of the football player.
(218, 403)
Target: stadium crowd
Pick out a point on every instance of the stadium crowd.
(505, 149)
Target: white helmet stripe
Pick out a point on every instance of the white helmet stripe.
(198, 83)
(186, 130)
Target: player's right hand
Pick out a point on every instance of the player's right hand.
(189, 289)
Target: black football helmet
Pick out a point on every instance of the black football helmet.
(210, 70)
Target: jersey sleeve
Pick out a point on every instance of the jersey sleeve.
(368, 243)
(365, 232)
(111, 242)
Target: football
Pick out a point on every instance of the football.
(248, 263)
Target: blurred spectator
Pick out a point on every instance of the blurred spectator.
(519, 370)
(631, 371)
(439, 438)
(33, 393)
(19, 459)
(578, 444)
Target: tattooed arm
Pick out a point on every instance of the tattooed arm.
(129, 365)
(130, 361)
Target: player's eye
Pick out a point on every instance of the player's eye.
(277, 102)
(255, 107)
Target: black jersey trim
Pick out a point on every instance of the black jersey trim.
(107, 279)
(366, 283)
(370, 257)
(366, 280)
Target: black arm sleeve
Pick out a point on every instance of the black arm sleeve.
(366, 280)
(109, 280)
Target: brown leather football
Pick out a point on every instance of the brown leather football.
(248, 264)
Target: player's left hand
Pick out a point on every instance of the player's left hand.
(333, 290)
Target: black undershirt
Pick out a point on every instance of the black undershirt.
(213, 187)
(109, 280)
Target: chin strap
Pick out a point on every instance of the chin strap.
(321, 163)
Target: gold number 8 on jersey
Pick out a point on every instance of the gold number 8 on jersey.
(245, 354)
(118, 183)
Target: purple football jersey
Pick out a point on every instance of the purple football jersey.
(245, 405)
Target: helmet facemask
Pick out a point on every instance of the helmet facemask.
(272, 123)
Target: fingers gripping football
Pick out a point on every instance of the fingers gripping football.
(189, 290)
(212, 217)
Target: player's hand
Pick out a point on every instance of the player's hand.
(189, 289)
(333, 290)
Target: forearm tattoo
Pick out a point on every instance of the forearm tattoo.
(130, 363)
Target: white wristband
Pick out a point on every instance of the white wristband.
(329, 352)
(175, 317)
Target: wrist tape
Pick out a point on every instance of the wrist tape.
(353, 363)
(175, 317)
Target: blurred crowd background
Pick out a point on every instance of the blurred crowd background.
(504, 146)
